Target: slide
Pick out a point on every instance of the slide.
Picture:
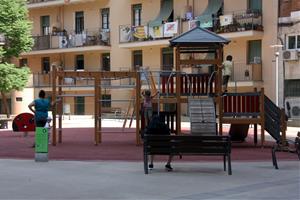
(238, 132)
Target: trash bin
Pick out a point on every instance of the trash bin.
(41, 140)
(41, 144)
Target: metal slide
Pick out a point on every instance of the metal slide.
(202, 116)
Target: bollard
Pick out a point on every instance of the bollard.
(41, 144)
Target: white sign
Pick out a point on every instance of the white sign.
(226, 20)
(170, 29)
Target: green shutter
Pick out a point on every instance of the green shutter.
(255, 5)
(254, 50)
(137, 7)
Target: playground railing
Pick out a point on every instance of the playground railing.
(241, 104)
(191, 84)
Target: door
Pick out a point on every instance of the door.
(79, 105)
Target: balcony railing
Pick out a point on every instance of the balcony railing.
(64, 39)
(246, 72)
(129, 33)
(45, 80)
(239, 21)
(38, 1)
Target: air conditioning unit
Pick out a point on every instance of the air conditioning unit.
(290, 55)
(293, 107)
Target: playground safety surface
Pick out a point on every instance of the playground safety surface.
(118, 145)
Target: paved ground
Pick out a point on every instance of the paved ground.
(26, 179)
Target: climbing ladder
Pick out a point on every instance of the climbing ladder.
(202, 116)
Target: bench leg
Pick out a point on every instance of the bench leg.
(224, 162)
(229, 165)
(274, 160)
(145, 163)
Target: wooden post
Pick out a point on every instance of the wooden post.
(55, 107)
(99, 119)
(219, 88)
(60, 109)
(137, 107)
(178, 94)
(262, 116)
(97, 102)
(283, 126)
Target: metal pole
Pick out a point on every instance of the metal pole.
(276, 77)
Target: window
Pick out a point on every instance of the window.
(105, 18)
(167, 59)
(137, 59)
(79, 105)
(255, 5)
(79, 22)
(293, 42)
(23, 62)
(45, 65)
(292, 88)
(107, 101)
(254, 52)
(45, 25)
(106, 62)
(79, 62)
(136, 14)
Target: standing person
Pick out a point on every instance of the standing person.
(147, 105)
(226, 71)
(40, 107)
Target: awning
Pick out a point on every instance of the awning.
(165, 12)
(206, 19)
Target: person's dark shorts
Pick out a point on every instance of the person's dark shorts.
(40, 123)
(225, 79)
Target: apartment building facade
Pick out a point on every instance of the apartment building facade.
(113, 35)
(289, 57)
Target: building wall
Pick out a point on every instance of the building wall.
(121, 58)
(270, 38)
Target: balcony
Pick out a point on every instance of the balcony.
(243, 72)
(145, 35)
(45, 80)
(38, 1)
(31, 4)
(63, 41)
(240, 24)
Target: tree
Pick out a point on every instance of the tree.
(12, 78)
(16, 28)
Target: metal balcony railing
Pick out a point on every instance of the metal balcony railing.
(69, 39)
(41, 80)
(129, 33)
(45, 80)
(246, 72)
(239, 21)
(38, 1)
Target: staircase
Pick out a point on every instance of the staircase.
(273, 119)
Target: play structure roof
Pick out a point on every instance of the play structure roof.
(198, 37)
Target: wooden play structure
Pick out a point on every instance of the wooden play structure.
(96, 77)
(178, 87)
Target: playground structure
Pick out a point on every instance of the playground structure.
(177, 87)
(57, 92)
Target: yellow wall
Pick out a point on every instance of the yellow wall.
(121, 58)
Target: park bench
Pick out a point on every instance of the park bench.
(187, 145)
